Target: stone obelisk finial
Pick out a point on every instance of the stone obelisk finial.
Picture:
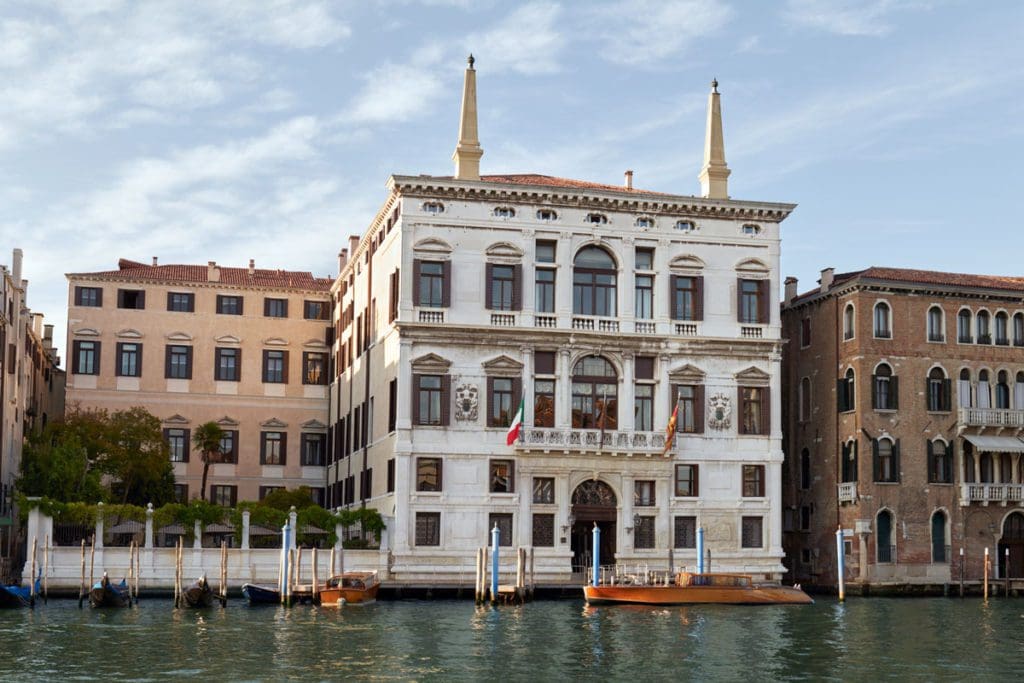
(468, 151)
(714, 176)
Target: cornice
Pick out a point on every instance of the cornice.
(915, 288)
(93, 277)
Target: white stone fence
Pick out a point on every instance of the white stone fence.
(63, 564)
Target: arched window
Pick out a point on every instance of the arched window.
(936, 328)
(940, 462)
(593, 283)
(594, 394)
(885, 550)
(1018, 329)
(1003, 390)
(940, 549)
(1002, 329)
(970, 475)
(938, 390)
(883, 325)
(846, 392)
(805, 469)
(884, 389)
(887, 460)
(984, 329)
(984, 394)
(963, 389)
(849, 465)
(963, 326)
(848, 322)
(1018, 394)
(805, 399)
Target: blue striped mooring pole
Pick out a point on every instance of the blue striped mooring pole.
(700, 550)
(286, 533)
(596, 578)
(841, 564)
(495, 540)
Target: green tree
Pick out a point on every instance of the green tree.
(284, 499)
(137, 458)
(55, 464)
(206, 440)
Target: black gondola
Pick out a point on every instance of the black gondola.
(199, 594)
(106, 594)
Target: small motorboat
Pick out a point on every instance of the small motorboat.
(261, 595)
(690, 589)
(106, 594)
(350, 588)
(199, 594)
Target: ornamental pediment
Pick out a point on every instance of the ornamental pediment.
(179, 337)
(177, 419)
(129, 333)
(752, 266)
(227, 339)
(504, 250)
(503, 365)
(86, 332)
(687, 374)
(431, 363)
(275, 341)
(228, 422)
(274, 423)
(432, 246)
(314, 344)
(752, 375)
(313, 424)
(686, 262)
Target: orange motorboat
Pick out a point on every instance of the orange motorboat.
(352, 588)
(691, 589)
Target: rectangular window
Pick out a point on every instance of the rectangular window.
(543, 530)
(131, 298)
(267, 490)
(273, 448)
(428, 528)
(275, 367)
(86, 357)
(805, 333)
(544, 290)
(179, 362)
(392, 405)
(275, 308)
(229, 446)
(687, 297)
(545, 251)
(313, 449)
(431, 284)
(643, 534)
(429, 400)
(501, 401)
(685, 532)
(181, 493)
(129, 360)
(178, 444)
(940, 463)
(227, 364)
(502, 476)
(643, 407)
(89, 296)
(500, 287)
(686, 481)
(754, 408)
(688, 399)
(544, 403)
(314, 368)
(229, 305)
(753, 481)
(643, 367)
(644, 258)
(182, 302)
(752, 532)
(428, 474)
(366, 484)
(316, 310)
(751, 302)
(543, 490)
(391, 475)
(643, 493)
(503, 520)
(805, 518)
(644, 297)
(224, 495)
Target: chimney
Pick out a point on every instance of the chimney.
(252, 267)
(826, 279)
(629, 180)
(791, 283)
(154, 261)
(212, 272)
(342, 260)
(47, 336)
(37, 324)
(16, 267)
(353, 243)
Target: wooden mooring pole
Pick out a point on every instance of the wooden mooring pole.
(985, 579)
(81, 587)
(92, 562)
(138, 571)
(46, 566)
(131, 567)
(314, 589)
(961, 571)
(32, 575)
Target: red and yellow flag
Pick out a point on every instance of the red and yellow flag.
(670, 432)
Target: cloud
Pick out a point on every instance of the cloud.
(526, 41)
(647, 32)
(395, 92)
(846, 17)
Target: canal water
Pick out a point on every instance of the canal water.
(862, 640)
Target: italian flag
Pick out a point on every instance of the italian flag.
(517, 424)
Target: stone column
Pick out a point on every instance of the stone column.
(662, 394)
(149, 526)
(245, 529)
(626, 541)
(563, 392)
(627, 421)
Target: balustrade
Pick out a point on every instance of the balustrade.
(568, 439)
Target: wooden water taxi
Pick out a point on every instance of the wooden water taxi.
(352, 588)
(692, 589)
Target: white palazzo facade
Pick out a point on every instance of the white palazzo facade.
(602, 309)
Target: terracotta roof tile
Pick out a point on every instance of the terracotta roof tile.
(261, 277)
(552, 181)
(927, 277)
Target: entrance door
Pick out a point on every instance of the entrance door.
(593, 502)
(1013, 540)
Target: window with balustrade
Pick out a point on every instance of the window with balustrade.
(594, 394)
(544, 290)
(644, 305)
(594, 289)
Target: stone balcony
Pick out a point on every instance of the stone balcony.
(611, 442)
(992, 493)
(848, 492)
(992, 417)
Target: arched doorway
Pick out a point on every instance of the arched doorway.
(1012, 540)
(593, 502)
(940, 553)
(884, 550)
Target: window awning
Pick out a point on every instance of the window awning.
(996, 444)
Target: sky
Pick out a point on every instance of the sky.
(227, 130)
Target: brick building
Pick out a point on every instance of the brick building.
(904, 406)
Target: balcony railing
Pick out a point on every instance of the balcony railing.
(571, 439)
(991, 417)
(991, 493)
(848, 492)
(686, 329)
(431, 316)
(591, 324)
(545, 321)
(886, 554)
(503, 319)
(751, 332)
(643, 327)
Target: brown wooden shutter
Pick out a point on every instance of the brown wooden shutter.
(517, 396)
(241, 305)
(764, 302)
(490, 402)
(99, 296)
(416, 282)
(284, 370)
(696, 480)
(118, 350)
(120, 298)
(698, 409)
(446, 400)
(517, 287)
(739, 299)
(488, 286)
(284, 448)
(673, 310)
(138, 360)
(446, 284)
(947, 394)
(896, 460)
(698, 298)
(894, 390)
(263, 448)
(415, 399)
(766, 411)
(170, 298)
(188, 362)
(643, 367)
(544, 362)
(266, 306)
(167, 361)
(874, 392)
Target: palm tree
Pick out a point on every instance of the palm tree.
(206, 440)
